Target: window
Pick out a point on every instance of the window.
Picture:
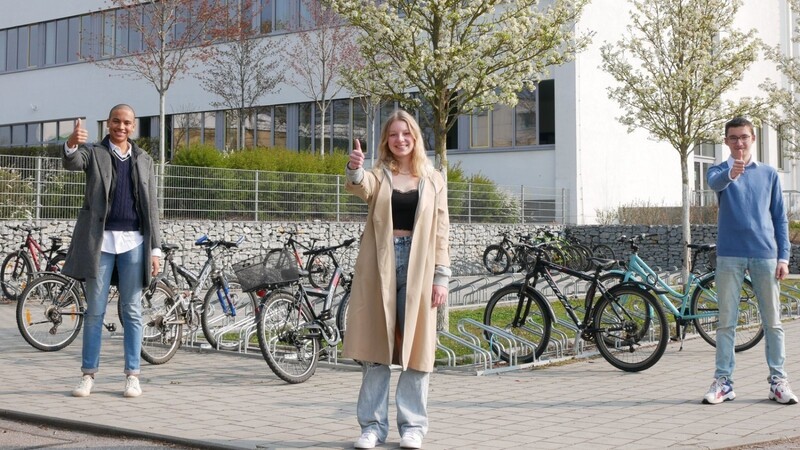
(62, 35)
(50, 43)
(210, 128)
(74, 36)
(266, 16)
(65, 128)
(279, 126)
(34, 47)
(759, 144)
(304, 127)
(5, 136)
(704, 149)
(18, 135)
(22, 48)
(11, 52)
(340, 126)
(231, 131)
(264, 127)
(502, 126)
(49, 133)
(3, 38)
(34, 134)
(287, 15)
(479, 129)
(121, 32)
(783, 145)
(180, 130)
(526, 126)
(360, 125)
(107, 38)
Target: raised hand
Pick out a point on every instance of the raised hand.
(356, 157)
(79, 135)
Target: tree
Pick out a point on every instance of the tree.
(174, 36)
(673, 67)
(244, 70)
(786, 117)
(318, 56)
(459, 55)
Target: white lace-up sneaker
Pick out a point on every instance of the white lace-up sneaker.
(720, 391)
(84, 388)
(132, 388)
(780, 391)
(411, 439)
(368, 439)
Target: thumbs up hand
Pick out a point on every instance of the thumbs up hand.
(79, 135)
(356, 157)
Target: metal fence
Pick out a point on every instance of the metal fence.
(38, 188)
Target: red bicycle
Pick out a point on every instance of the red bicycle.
(20, 266)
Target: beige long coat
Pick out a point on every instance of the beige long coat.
(371, 316)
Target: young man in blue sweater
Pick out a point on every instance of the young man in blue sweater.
(753, 236)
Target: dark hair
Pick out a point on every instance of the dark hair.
(121, 106)
(739, 122)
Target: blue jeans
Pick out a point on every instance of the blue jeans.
(130, 268)
(411, 396)
(729, 278)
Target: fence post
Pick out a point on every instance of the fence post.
(469, 202)
(38, 188)
(338, 198)
(522, 204)
(255, 196)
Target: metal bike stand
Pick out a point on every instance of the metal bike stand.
(498, 337)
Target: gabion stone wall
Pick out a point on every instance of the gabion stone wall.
(467, 241)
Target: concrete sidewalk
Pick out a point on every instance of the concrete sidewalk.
(216, 400)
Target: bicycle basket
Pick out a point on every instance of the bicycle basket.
(277, 268)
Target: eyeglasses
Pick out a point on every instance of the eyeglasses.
(743, 138)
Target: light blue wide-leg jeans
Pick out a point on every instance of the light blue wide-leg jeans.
(130, 269)
(411, 396)
(730, 275)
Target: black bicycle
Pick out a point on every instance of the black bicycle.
(500, 258)
(625, 322)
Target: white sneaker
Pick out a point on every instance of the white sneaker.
(780, 391)
(411, 439)
(132, 388)
(84, 388)
(368, 439)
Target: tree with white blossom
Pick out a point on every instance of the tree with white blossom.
(458, 56)
(786, 116)
(673, 68)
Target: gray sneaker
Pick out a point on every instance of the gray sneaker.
(84, 388)
(132, 388)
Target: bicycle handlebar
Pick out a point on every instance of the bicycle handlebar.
(26, 228)
(316, 251)
(205, 242)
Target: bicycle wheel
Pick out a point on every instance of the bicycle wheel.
(290, 348)
(341, 314)
(320, 270)
(496, 259)
(586, 254)
(603, 251)
(749, 330)
(17, 272)
(50, 313)
(631, 330)
(556, 255)
(57, 263)
(535, 326)
(221, 326)
(161, 328)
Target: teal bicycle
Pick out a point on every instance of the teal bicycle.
(695, 304)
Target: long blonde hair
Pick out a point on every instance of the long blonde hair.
(420, 165)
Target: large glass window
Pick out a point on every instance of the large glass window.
(210, 128)
(340, 126)
(279, 126)
(231, 131)
(5, 136)
(11, 53)
(22, 47)
(49, 132)
(360, 122)
(287, 14)
(479, 129)
(74, 44)
(50, 43)
(264, 127)
(65, 128)
(121, 32)
(62, 41)
(304, 127)
(3, 39)
(783, 144)
(704, 149)
(180, 130)
(194, 125)
(525, 128)
(34, 47)
(34, 134)
(266, 16)
(108, 33)
(502, 126)
(18, 135)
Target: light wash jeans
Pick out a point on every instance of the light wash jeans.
(411, 396)
(130, 268)
(729, 278)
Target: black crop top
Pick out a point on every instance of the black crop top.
(404, 208)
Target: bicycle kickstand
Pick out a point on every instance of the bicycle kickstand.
(111, 327)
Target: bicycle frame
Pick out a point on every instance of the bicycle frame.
(34, 249)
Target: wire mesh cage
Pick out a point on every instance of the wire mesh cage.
(278, 267)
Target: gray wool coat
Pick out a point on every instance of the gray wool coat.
(83, 257)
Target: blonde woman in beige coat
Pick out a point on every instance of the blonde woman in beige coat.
(401, 277)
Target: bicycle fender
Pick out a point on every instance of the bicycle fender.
(643, 286)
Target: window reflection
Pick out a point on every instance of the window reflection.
(279, 128)
(264, 127)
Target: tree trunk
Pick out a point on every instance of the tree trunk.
(685, 216)
(162, 148)
(322, 132)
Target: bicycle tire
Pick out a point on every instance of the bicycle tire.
(214, 318)
(749, 329)
(631, 329)
(341, 314)
(161, 333)
(603, 251)
(556, 255)
(496, 259)
(536, 328)
(611, 279)
(320, 270)
(586, 255)
(16, 274)
(290, 349)
(49, 313)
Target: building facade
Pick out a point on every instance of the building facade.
(562, 138)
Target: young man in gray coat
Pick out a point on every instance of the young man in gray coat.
(117, 232)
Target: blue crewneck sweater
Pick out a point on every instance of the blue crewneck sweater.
(752, 220)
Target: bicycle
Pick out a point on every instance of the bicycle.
(318, 264)
(290, 331)
(500, 258)
(626, 322)
(696, 303)
(19, 266)
(165, 313)
(50, 311)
